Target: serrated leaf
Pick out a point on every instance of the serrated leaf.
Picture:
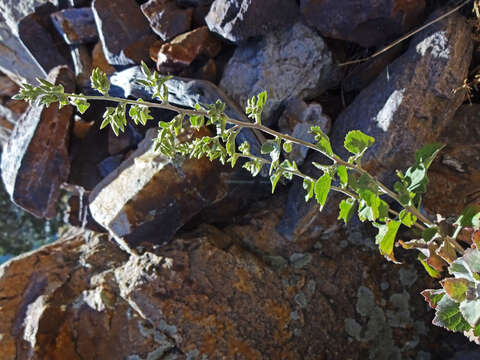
(357, 142)
(322, 188)
(429, 269)
(448, 315)
(407, 218)
(459, 269)
(308, 185)
(342, 175)
(347, 209)
(470, 310)
(433, 296)
(386, 238)
(472, 259)
(456, 288)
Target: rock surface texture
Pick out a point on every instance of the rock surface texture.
(77, 26)
(294, 62)
(366, 22)
(240, 20)
(35, 162)
(412, 101)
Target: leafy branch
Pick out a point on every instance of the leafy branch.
(365, 194)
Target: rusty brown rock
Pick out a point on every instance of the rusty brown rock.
(455, 177)
(366, 22)
(166, 19)
(182, 50)
(411, 102)
(99, 60)
(77, 26)
(149, 197)
(36, 161)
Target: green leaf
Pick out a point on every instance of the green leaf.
(145, 70)
(433, 296)
(308, 185)
(268, 147)
(357, 142)
(466, 219)
(427, 154)
(470, 310)
(416, 177)
(386, 238)
(287, 146)
(347, 208)
(407, 218)
(342, 175)
(197, 121)
(448, 315)
(429, 233)
(274, 179)
(430, 270)
(323, 141)
(456, 288)
(472, 259)
(322, 188)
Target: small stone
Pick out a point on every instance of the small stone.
(366, 22)
(99, 60)
(240, 20)
(121, 26)
(301, 300)
(291, 63)
(300, 260)
(77, 26)
(35, 161)
(166, 19)
(184, 49)
(39, 36)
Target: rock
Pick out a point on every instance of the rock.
(195, 3)
(183, 92)
(154, 49)
(109, 164)
(411, 102)
(240, 20)
(206, 296)
(297, 119)
(99, 60)
(149, 197)
(42, 40)
(122, 29)
(82, 63)
(77, 212)
(292, 63)
(184, 49)
(7, 86)
(35, 161)
(166, 19)
(77, 26)
(79, 3)
(454, 179)
(81, 128)
(366, 22)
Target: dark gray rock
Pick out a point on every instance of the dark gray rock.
(195, 3)
(108, 165)
(412, 101)
(239, 20)
(82, 63)
(79, 3)
(122, 27)
(77, 26)
(35, 161)
(294, 62)
(166, 19)
(39, 36)
(366, 22)
(184, 92)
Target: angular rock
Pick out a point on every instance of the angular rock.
(240, 20)
(184, 49)
(77, 26)
(39, 36)
(454, 179)
(411, 102)
(292, 63)
(7, 86)
(166, 19)
(297, 120)
(79, 3)
(149, 197)
(366, 22)
(82, 63)
(35, 161)
(122, 28)
(184, 92)
(99, 60)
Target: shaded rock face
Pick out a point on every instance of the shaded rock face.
(292, 63)
(411, 102)
(238, 21)
(204, 295)
(77, 26)
(167, 19)
(122, 30)
(366, 22)
(35, 161)
(149, 197)
(455, 176)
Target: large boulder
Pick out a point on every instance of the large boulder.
(294, 62)
(35, 161)
(366, 22)
(238, 21)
